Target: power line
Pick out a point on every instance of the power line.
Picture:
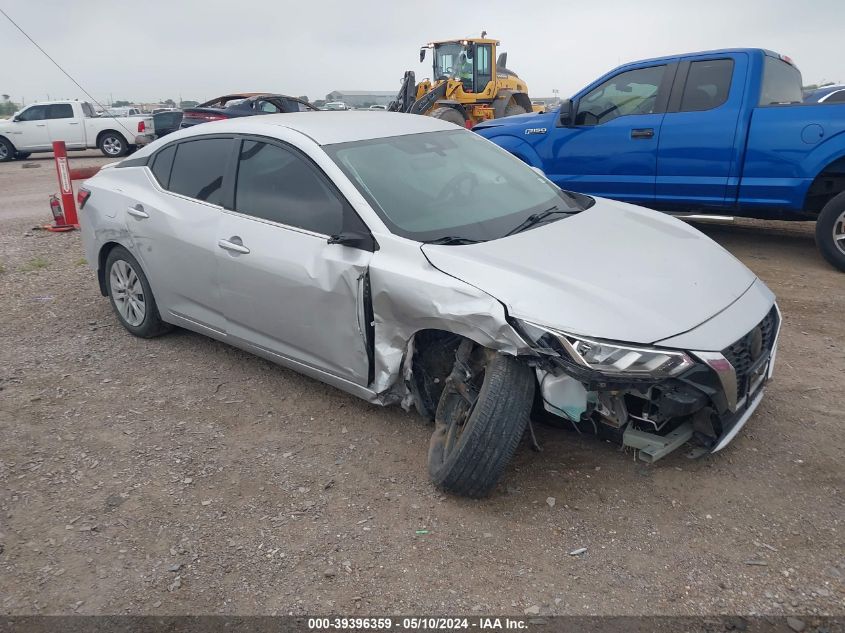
(47, 55)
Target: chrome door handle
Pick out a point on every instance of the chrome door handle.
(138, 212)
(232, 246)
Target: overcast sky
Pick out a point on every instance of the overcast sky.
(147, 50)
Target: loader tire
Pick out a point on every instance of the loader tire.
(470, 461)
(513, 109)
(445, 113)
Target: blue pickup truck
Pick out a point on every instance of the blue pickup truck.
(720, 132)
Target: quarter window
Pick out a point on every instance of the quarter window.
(162, 164)
(781, 83)
(708, 84)
(631, 92)
(278, 184)
(198, 168)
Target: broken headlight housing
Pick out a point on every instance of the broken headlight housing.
(605, 357)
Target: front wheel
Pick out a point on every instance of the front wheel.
(513, 109)
(7, 151)
(445, 113)
(131, 296)
(481, 417)
(113, 145)
(830, 231)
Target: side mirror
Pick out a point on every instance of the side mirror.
(422, 55)
(355, 239)
(566, 116)
(16, 117)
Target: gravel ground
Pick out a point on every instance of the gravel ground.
(180, 475)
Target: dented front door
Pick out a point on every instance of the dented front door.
(287, 292)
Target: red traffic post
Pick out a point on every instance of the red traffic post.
(65, 184)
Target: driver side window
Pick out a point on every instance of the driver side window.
(34, 113)
(630, 92)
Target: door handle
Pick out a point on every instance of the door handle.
(73, 123)
(645, 132)
(40, 125)
(233, 246)
(138, 212)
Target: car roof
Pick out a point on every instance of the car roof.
(326, 128)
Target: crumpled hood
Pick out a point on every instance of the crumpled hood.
(614, 271)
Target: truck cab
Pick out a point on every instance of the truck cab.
(719, 132)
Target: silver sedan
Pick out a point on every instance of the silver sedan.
(405, 260)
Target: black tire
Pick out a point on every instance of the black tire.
(830, 224)
(477, 458)
(112, 144)
(445, 113)
(22, 155)
(7, 151)
(151, 325)
(513, 108)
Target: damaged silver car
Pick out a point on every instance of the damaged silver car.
(404, 260)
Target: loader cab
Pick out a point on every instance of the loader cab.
(469, 61)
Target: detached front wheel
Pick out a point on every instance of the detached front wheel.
(480, 420)
(830, 231)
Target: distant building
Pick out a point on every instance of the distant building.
(362, 98)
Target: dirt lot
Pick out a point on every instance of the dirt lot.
(180, 475)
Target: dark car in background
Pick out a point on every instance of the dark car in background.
(244, 104)
(167, 121)
(826, 94)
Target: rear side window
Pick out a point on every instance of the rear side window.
(198, 168)
(162, 164)
(708, 85)
(781, 83)
(278, 184)
(60, 111)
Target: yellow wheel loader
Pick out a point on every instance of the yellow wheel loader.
(467, 85)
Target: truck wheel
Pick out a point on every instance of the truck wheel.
(7, 151)
(480, 420)
(830, 231)
(445, 113)
(113, 145)
(131, 296)
(514, 108)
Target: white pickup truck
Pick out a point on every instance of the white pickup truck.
(34, 129)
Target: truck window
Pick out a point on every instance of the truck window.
(60, 111)
(483, 66)
(630, 92)
(708, 84)
(835, 97)
(34, 113)
(781, 83)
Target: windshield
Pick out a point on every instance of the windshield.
(448, 184)
(448, 60)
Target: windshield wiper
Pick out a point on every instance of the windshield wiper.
(535, 218)
(452, 240)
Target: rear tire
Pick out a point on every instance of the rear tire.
(513, 109)
(830, 231)
(445, 113)
(131, 296)
(113, 145)
(7, 151)
(469, 458)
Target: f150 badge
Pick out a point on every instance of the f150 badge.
(535, 130)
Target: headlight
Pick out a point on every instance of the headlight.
(612, 359)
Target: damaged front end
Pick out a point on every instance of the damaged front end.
(652, 399)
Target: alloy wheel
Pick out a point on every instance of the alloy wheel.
(839, 232)
(127, 293)
(112, 146)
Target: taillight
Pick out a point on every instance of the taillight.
(141, 126)
(82, 197)
(204, 116)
